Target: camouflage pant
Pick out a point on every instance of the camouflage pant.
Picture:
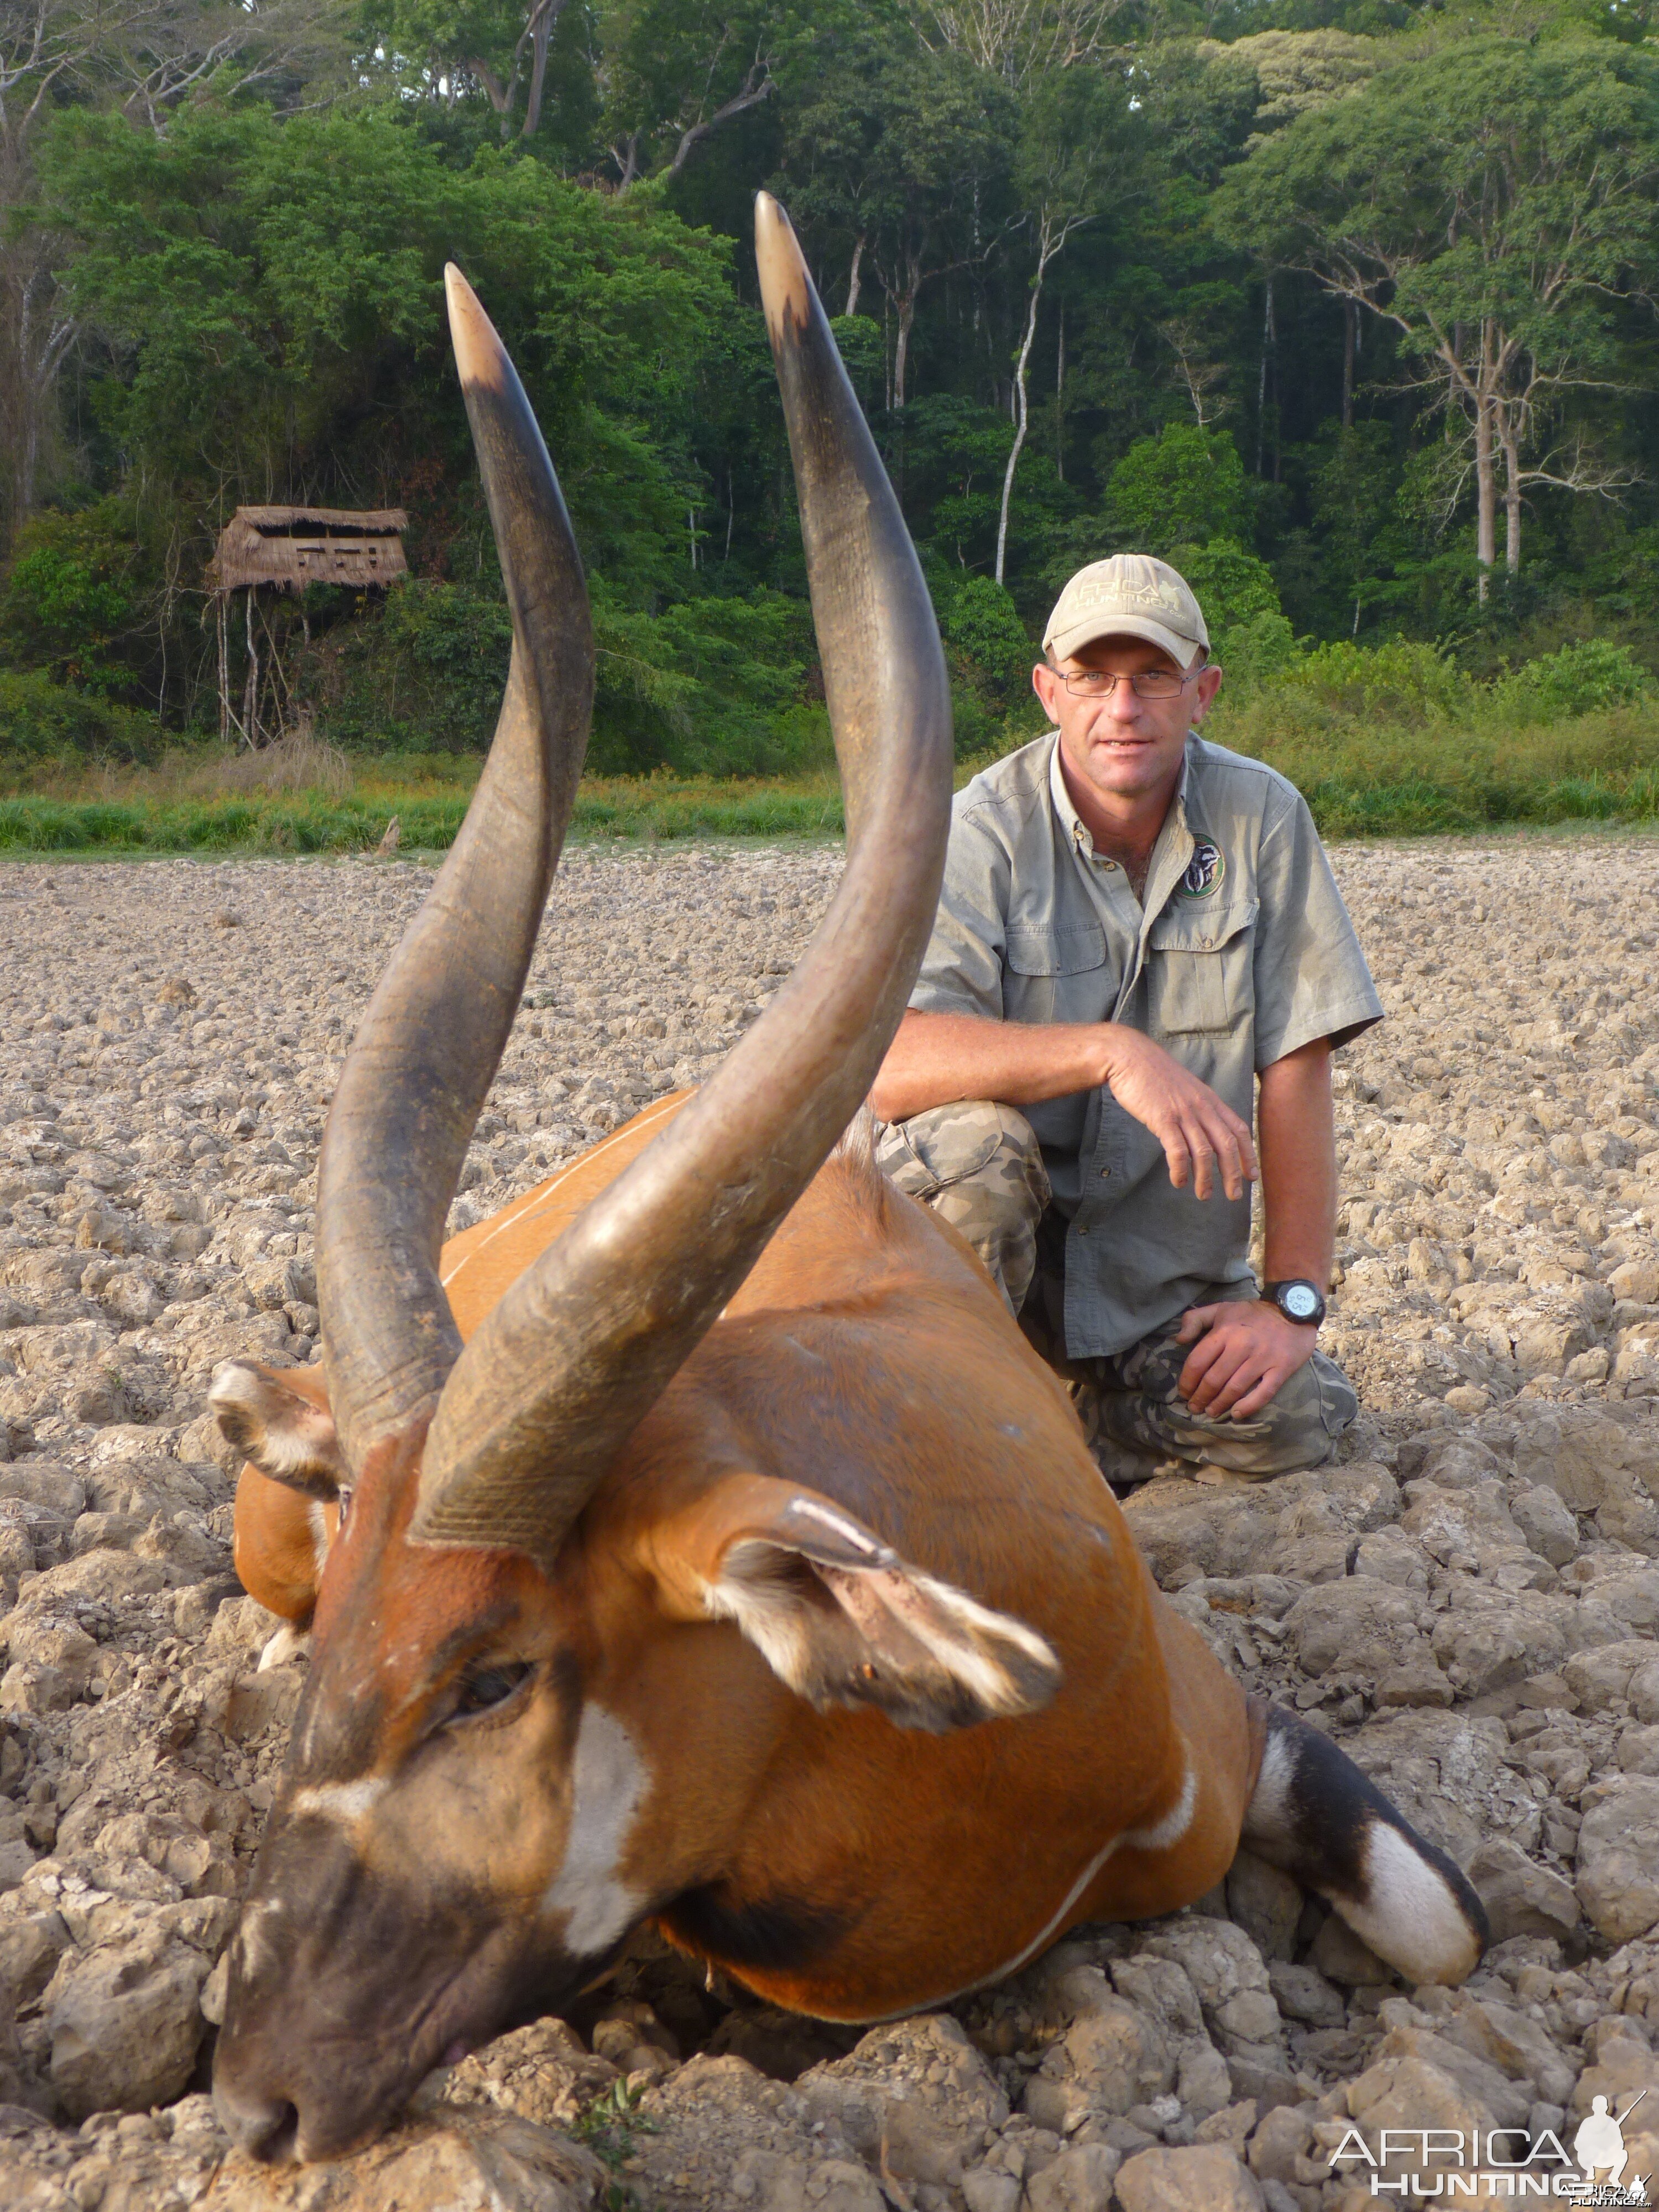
(979, 1167)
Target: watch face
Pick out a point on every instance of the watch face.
(1300, 1301)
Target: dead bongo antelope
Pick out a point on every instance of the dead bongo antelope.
(744, 1570)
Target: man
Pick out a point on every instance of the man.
(1137, 930)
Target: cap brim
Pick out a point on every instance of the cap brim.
(1065, 642)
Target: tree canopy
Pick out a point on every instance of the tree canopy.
(1309, 294)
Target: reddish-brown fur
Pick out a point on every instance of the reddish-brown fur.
(868, 1356)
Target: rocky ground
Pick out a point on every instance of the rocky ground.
(1470, 1602)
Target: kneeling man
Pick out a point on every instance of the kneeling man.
(1138, 939)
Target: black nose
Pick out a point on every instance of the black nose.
(267, 2129)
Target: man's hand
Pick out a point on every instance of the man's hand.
(1199, 1132)
(1244, 1352)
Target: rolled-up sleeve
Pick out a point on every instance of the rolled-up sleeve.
(962, 970)
(1311, 979)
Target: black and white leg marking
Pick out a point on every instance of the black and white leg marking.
(1318, 1818)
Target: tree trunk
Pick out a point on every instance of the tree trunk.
(1512, 448)
(1261, 380)
(907, 315)
(1060, 398)
(546, 18)
(1486, 487)
(222, 599)
(1022, 404)
(757, 86)
(251, 688)
(853, 275)
(1349, 324)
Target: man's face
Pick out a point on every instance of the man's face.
(1121, 745)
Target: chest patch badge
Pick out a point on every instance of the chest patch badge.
(1205, 871)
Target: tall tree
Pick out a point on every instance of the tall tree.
(1020, 40)
(906, 153)
(149, 57)
(1489, 202)
(674, 72)
(1071, 125)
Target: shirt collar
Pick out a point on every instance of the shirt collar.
(1077, 831)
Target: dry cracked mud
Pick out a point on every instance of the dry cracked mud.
(1469, 1602)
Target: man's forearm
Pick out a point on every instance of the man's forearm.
(1297, 1136)
(937, 1059)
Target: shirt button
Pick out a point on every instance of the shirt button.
(1105, 1174)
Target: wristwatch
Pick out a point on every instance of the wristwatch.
(1298, 1300)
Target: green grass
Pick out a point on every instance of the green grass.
(1364, 776)
(297, 823)
(292, 823)
(1377, 777)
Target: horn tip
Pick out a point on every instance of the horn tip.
(479, 354)
(785, 288)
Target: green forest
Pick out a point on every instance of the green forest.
(1349, 307)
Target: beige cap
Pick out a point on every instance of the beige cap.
(1131, 595)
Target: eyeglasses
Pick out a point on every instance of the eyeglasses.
(1149, 684)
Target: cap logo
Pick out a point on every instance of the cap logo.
(1136, 595)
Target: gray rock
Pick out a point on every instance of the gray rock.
(1285, 2136)
(1109, 2060)
(1449, 1773)
(1078, 2180)
(1265, 1903)
(1521, 1897)
(1303, 1993)
(472, 2160)
(1601, 1678)
(1546, 1521)
(125, 2026)
(1361, 1627)
(1338, 1955)
(1617, 1861)
(1229, 1976)
(1205, 2177)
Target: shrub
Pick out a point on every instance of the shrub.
(1182, 488)
(1249, 633)
(41, 720)
(69, 594)
(980, 620)
(424, 674)
(1414, 683)
(708, 687)
(1585, 679)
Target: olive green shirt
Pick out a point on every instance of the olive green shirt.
(1241, 952)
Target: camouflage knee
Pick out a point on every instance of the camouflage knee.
(1141, 1408)
(979, 1166)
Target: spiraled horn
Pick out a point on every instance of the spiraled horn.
(586, 1341)
(427, 1049)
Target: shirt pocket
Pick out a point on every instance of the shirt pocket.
(1038, 963)
(1198, 971)
(1054, 952)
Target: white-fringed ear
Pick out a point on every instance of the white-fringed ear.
(841, 1617)
(279, 1426)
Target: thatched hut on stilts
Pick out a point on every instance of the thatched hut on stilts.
(284, 549)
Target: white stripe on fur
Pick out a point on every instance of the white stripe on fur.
(1410, 1916)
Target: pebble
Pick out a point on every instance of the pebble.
(1468, 1601)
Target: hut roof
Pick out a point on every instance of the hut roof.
(293, 546)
